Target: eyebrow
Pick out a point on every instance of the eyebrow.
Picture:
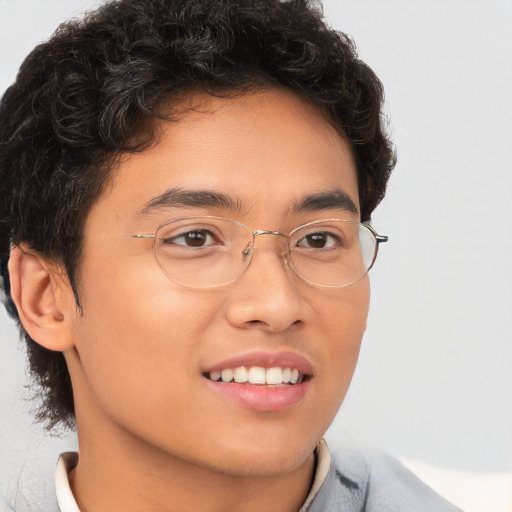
(330, 200)
(179, 198)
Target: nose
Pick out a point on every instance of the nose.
(268, 295)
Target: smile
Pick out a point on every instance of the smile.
(258, 375)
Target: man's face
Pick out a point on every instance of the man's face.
(146, 345)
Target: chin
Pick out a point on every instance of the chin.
(263, 464)
(265, 457)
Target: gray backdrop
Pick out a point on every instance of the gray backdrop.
(434, 381)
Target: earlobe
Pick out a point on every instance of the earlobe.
(40, 299)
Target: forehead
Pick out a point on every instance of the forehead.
(264, 151)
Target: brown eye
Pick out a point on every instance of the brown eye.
(319, 241)
(196, 238)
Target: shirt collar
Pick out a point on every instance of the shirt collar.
(323, 464)
(65, 498)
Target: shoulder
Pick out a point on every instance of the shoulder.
(371, 481)
(391, 486)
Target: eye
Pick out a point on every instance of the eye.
(193, 238)
(320, 240)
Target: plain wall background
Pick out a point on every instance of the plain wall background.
(434, 381)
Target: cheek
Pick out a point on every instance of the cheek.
(138, 337)
(343, 324)
(344, 314)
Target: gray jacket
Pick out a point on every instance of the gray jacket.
(374, 482)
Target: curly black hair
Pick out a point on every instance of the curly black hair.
(93, 91)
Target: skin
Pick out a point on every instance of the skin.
(149, 426)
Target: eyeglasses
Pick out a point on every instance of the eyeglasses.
(207, 252)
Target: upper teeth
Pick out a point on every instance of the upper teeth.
(258, 375)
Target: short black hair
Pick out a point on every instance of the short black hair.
(93, 91)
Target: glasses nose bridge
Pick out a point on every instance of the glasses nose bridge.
(259, 232)
(284, 236)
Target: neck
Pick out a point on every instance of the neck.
(118, 471)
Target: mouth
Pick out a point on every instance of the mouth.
(262, 381)
(258, 376)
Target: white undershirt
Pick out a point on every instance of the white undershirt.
(68, 461)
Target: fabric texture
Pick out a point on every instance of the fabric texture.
(374, 482)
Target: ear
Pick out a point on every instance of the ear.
(43, 298)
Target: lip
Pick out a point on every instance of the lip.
(262, 398)
(283, 359)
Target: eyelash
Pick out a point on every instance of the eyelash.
(336, 240)
(184, 236)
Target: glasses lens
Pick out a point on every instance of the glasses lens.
(332, 252)
(202, 252)
(205, 252)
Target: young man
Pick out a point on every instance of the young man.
(185, 190)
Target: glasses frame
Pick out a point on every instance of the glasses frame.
(379, 239)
